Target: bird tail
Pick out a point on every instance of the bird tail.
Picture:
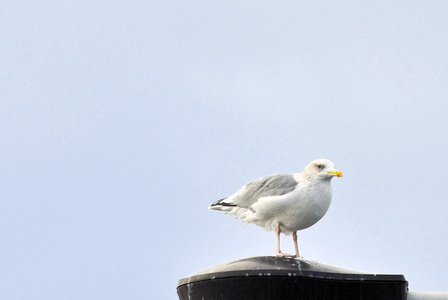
(222, 205)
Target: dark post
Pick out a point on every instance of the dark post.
(274, 278)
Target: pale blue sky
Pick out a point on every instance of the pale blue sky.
(121, 121)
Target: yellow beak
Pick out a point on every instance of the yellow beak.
(335, 173)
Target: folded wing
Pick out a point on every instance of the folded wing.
(272, 185)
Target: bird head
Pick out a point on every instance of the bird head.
(322, 168)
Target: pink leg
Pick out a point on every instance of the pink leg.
(294, 238)
(277, 231)
(279, 252)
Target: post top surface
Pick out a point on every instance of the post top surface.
(284, 266)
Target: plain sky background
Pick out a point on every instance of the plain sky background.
(121, 121)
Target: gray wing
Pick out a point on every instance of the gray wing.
(272, 185)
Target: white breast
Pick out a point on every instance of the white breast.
(297, 210)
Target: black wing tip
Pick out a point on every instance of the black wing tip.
(220, 203)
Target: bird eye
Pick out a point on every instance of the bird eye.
(320, 166)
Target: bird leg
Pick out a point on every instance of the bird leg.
(294, 238)
(279, 252)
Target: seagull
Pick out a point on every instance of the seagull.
(284, 203)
